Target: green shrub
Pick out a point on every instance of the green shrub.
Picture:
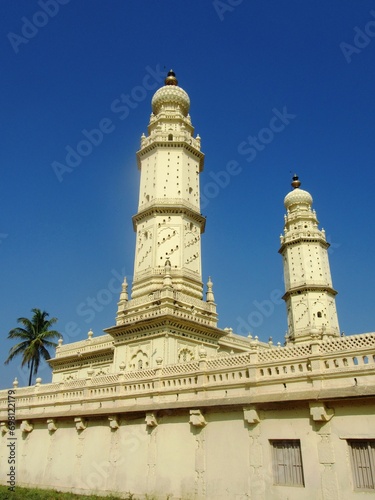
(36, 494)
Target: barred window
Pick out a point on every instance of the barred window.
(362, 454)
(287, 462)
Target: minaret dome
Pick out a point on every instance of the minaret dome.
(170, 96)
(298, 197)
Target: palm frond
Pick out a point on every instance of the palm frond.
(16, 350)
(49, 343)
(37, 338)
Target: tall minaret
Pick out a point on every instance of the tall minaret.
(168, 223)
(309, 294)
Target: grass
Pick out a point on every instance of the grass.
(36, 494)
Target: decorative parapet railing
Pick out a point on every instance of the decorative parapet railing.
(353, 342)
(265, 371)
(82, 346)
(229, 361)
(284, 353)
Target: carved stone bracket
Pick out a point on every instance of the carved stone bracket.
(81, 423)
(114, 422)
(197, 419)
(251, 415)
(151, 420)
(51, 425)
(26, 426)
(319, 412)
(4, 428)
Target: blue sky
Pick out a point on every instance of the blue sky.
(66, 239)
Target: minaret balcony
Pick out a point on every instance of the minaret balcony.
(170, 138)
(298, 237)
(170, 206)
(303, 287)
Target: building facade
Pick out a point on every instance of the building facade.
(166, 404)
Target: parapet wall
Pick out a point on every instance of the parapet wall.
(200, 429)
(345, 365)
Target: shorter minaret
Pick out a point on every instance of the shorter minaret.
(309, 294)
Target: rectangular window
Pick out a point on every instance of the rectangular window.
(287, 462)
(363, 463)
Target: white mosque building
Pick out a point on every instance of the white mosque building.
(167, 405)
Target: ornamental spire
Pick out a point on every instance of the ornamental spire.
(122, 303)
(171, 78)
(295, 181)
(210, 294)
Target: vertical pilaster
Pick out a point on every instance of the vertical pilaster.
(80, 425)
(198, 423)
(115, 459)
(152, 458)
(321, 416)
(256, 472)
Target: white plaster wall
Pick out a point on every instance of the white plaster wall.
(175, 464)
(228, 458)
(226, 444)
(32, 453)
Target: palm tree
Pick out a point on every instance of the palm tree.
(35, 337)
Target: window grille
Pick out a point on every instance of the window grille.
(287, 462)
(363, 463)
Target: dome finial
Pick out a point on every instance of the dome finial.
(171, 78)
(295, 181)
(297, 197)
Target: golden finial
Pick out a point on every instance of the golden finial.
(171, 78)
(295, 182)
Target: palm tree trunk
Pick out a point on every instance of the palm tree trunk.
(31, 371)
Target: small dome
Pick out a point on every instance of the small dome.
(297, 196)
(171, 94)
